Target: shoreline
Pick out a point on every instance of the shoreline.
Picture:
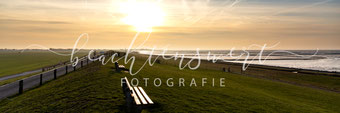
(322, 80)
(288, 69)
(271, 67)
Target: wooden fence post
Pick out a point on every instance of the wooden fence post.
(55, 73)
(117, 66)
(81, 64)
(241, 70)
(66, 68)
(41, 77)
(224, 69)
(21, 86)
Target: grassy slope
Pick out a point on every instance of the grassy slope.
(13, 62)
(319, 81)
(97, 88)
(316, 81)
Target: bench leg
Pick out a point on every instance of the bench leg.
(128, 99)
(118, 70)
(129, 104)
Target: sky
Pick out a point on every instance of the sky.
(185, 24)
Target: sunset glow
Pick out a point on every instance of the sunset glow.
(142, 15)
(189, 24)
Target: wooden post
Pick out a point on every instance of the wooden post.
(81, 64)
(41, 77)
(74, 68)
(66, 68)
(55, 73)
(223, 69)
(241, 70)
(158, 61)
(229, 69)
(21, 86)
(87, 61)
(117, 67)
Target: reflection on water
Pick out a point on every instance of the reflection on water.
(332, 64)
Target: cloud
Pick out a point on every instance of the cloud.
(17, 21)
(36, 26)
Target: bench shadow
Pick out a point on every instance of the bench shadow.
(124, 108)
(157, 106)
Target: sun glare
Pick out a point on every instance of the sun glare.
(142, 15)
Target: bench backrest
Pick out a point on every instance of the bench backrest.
(121, 66)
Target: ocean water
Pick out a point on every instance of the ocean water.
(324, 60)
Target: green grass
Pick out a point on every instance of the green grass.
(330, 83)
(96, 88)
(13, 62)
(319, 81)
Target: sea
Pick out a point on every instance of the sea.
(322, 60)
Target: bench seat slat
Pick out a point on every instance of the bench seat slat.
(145, 95)
(136, 99)
(140, 96)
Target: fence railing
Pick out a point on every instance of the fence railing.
(20, 86)
(48, 73)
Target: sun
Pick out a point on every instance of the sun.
(142, 15)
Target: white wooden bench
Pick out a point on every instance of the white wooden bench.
(120, 67)
(136, 98)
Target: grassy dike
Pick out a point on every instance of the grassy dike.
(97, 88)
